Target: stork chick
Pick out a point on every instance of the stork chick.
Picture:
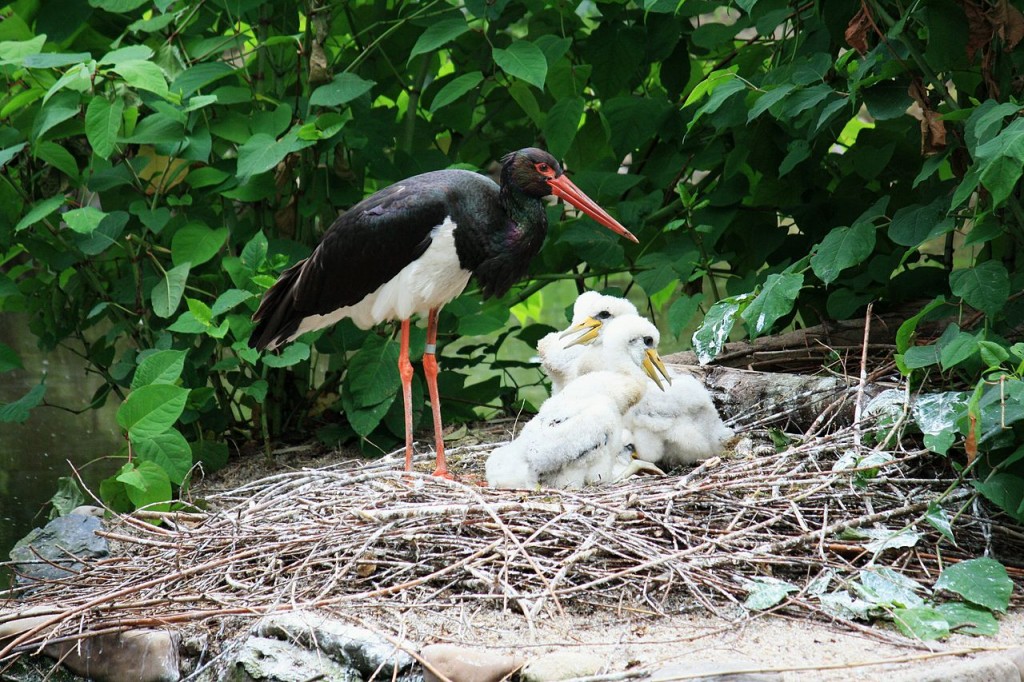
(576, 437)
(559, 354)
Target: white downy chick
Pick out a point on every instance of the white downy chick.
(576, 437)
(679, 425)
(560, 351)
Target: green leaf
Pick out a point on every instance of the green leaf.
(769, 99)
(343, 89)
(118, 6)
(196, 243)
(293, 354)
(1004, 490)
(455, 89)
(143, 75)
(682, 311)
(131, 53)
(14, 52)
(147, 485)
(229, 299)
(957, 348)
(254, 253)
(985, 286)
(1001, 161)
(982, 581)
(776, 299)
(151, 410)
(84, 220)
(9, 359)
(764, 593)
(937, 517)
(523, 60)
(39, 211)
(372, 373)
(968, 619)
(19, 410)
(260, 153)
(10, 152)
(923, 623)
(885, 587)
(440, 32)
(912, 225)
(842, 248)
(58, 157)
(904, 335)
(365, 419)
(103, 123)
(212, 455)
(54, 60)
(166, 295)
(712, 334)
(67, 497)
(561, 124)
(161, 367)
(168, 450)
(200, 311)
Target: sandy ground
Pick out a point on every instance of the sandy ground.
(628, 640)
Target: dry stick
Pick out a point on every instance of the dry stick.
(859, 404)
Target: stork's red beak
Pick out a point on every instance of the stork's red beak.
(563, 188)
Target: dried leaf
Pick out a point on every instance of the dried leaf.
(857, 31)
(971, 442)
(933, 128)
(1009, 24)
(979, 29)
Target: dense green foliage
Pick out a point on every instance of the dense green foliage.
(779, 162)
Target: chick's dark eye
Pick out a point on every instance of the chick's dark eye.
(603, 315)
(648, 341)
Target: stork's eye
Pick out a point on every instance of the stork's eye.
(603, 315)
(648, 341)
(544, 169)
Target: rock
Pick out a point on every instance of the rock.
(988, 668)
(1017, 656)
(58, 543)
(25, 619)
(132, 656)
(712, 671)
(271, 660)
(364, 650)
(562, 665)
(465, 664)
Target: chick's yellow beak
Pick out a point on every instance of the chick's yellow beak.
(653, 366)
(588, 330)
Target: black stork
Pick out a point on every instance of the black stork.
(412, 247)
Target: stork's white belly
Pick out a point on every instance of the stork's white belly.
(428, 282)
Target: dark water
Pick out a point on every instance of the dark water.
(34, 455)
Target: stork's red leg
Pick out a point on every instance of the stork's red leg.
(430, 369)
(405, 371)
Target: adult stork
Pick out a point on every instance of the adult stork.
(412, 247)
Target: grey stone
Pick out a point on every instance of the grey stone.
(362, 649)
(562, 665)
(1017, 656)
(715, 671)
(271, 660)
(466, 664)
(987, 668)
(132, 656)
(58, 543)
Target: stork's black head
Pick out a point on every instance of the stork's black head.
(529, 171)
(537, 174)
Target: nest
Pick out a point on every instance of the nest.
(344, 536)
